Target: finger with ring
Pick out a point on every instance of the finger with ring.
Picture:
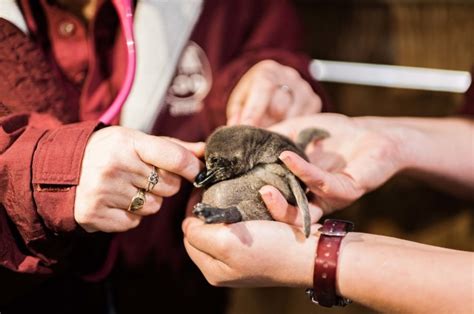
(287, 89)
(153, 179)
(137, 201)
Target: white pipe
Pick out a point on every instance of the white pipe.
(390, 76)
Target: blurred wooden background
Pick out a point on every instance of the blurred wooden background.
(425, 33)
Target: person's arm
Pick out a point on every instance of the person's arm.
(37, 226)
(39, 169)
(362, 153)
(60, 179)
(382, 273)
(439, 151)
(393, 275)
(40, 160)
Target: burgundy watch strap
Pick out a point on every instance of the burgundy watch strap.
(325, 266)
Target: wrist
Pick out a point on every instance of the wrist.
(410, 142)
(349, 255)
(324, 291)
(403, 140)
(307, 252)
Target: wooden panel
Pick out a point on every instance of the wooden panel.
(437, 34)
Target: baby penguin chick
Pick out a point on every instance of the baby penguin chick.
(239, 161)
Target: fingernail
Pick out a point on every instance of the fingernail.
(266, 193)
(284, 157)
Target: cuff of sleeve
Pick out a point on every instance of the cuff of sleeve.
(56, 171)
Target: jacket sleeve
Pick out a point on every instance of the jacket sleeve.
(272, 31)
(39, 169)
(40, 160)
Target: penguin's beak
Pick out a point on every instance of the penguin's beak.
(204, 178)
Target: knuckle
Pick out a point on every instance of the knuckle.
(306, 87)
(292, 73)
(86, 211)
(98, 196)
(185, 163)
(315, 104)
(268, 63)
(223, 276)
(174, 188)
(169, 184)
(87, 220)
(154, 205)
(111, 168)
(217, 283)
(90, 227)
(182, 159)
(83, 217)
(133, 223)
(154, 209)
(126, 139)
(212, 279)
(117, 134)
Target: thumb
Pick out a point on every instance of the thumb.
(283, 212)
(276, 204)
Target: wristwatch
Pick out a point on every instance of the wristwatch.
(325, 266)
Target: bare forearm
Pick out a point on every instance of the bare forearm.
(437, 150)
(393, 275)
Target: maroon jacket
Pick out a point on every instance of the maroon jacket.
(53, 88)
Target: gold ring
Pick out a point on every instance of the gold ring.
(137, 201)
(153, 179)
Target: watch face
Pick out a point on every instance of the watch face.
(192, 82)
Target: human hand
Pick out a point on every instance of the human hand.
(117, 162)
(255, 253)
(357, 157)
(268, 93)
(251, 254)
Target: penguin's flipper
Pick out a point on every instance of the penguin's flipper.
(301, 202)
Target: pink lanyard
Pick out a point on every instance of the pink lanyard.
(124, 10)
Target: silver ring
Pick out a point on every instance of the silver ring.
(137, 201)
(287, 89)
(153, 179)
